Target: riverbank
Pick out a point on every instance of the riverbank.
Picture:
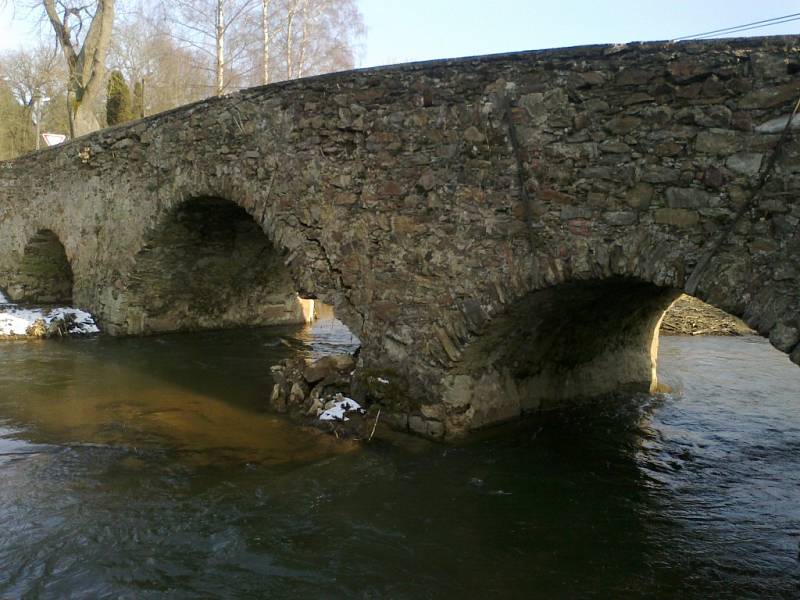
(690, 316)
(43, 322)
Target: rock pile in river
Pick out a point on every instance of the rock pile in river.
(318, 393)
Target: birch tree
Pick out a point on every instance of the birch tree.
(208, 27)
(304, 37)
(266, 39)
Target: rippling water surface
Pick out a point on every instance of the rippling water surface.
(149, 468)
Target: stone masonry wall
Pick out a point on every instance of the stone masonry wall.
(427, 201)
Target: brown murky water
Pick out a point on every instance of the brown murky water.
(149, 468)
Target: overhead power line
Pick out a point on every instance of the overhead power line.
(744, 27)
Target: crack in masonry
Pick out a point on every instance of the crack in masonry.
(766, 173)
(267, 195)
(506, 105)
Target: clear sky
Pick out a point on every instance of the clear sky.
(407, 30)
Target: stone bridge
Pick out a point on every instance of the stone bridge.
(503, 233)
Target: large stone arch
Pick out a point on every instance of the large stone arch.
(580, 321)
(208, 265)
(43, 273)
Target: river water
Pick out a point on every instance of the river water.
(149, 468)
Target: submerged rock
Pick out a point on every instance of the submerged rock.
(329, 369)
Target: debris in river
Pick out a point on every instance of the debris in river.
(339, 407)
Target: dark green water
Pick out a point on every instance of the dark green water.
(148, 468)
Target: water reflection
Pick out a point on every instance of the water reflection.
(148, 468)
(201, 394)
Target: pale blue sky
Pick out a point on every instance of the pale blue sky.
(407, 30)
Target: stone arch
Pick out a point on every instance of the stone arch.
(567, 342)
(44, 274)
(206, 265)
(585, 327)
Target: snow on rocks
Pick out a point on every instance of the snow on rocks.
(3, 299)
(337, 409)
(44, 322)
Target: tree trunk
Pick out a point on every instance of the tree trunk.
(289, 21)
(265, 31)
(220, 31)
(304, 40)
(86, 67)
(84, 121)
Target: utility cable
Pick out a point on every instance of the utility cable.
(744, 27)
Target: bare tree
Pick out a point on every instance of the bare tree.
(31, 73)
(171, 75)
(304, 37)
(291, 13)
(208, 26)
(33, 82)
(83, 30)
(265, 38)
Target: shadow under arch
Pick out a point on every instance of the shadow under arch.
(44, 275)
(566, 343)
(577, 340)
(209, 265)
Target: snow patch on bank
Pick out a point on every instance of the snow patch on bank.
(16, 321)
(339, 409)
(3, 299)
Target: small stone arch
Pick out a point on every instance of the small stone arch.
(208, 264)
(563, 343)
(44, 274)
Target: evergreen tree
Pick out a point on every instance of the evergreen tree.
(118, 100)
(138, 100)
(16, 132)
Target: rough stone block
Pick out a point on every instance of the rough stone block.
(718, 142)
(659, 174)
(677, 216)
(576, 212)
(418, 424)
(688, 198)
(784, 336)
(623, 124)
(620, 218)
(771, 96)
(640, 195)
(745, 163)
(435, 429)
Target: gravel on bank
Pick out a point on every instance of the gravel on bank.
(690, 316)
